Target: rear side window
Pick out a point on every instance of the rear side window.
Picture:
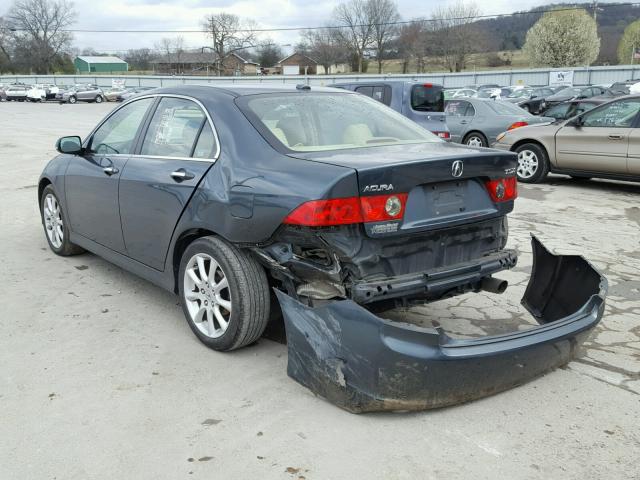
(174, 128)
(381, 93)
(427, 98)
(206, 145)
(459, 108)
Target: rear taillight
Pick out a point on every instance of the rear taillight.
(502, 189)
(346, 211)
(515, 125)
(443, 135)
(383, 207)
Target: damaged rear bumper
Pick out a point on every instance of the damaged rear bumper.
(363, 363)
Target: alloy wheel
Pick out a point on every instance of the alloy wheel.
(527, 163)
(207, 295)
(475, 141)
(53, 220)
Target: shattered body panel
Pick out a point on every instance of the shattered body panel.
(363, 363)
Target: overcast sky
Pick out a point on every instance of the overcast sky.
(188, 15)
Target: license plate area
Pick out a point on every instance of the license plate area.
(436, 205)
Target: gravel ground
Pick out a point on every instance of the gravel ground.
(100, 376)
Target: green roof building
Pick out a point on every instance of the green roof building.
(90, 64)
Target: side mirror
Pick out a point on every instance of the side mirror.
(71, 145)
(534, 96)
(576, 122)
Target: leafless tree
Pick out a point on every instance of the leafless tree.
(324, 47)
(411, 43)
(40, 27)
(355, 16)
(229, 34)
(383, 15)
(6, 41)
(172, 50)
(139, 58)
(455, 35)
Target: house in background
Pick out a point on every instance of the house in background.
(296, 64)
(202, 63)
(100, 64)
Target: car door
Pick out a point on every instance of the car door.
(459, 114)
(600, 142)
(91, 179)
(179, 146)
(633, 159)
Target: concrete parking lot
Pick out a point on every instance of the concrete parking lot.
(100, 376)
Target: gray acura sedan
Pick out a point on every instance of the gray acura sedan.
(326, 206)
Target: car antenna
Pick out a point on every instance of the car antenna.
(302, 86)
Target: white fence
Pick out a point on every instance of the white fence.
(534, 77)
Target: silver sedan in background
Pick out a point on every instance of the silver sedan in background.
(477, 121)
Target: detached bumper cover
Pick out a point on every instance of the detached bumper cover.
(363, 363)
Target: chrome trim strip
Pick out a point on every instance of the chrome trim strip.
(171, 95)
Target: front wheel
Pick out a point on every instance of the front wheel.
(475, 139)
(99, 99)
(73, 99)
(55, 225)
(224, 294)
(533, 163)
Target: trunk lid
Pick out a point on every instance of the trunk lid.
(444, 182)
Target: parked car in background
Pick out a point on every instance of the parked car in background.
(114, 94)
(37, 93)
(421, 102)
(565, 110)
(459, 93)
(574, 93)
(83, 93)
(603, 142)
(325, 206)
(129, 93)
(3, 93)
(558, 88)
(16, 93)
(530, 99)
(477, 122)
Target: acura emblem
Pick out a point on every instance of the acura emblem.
(456, 168)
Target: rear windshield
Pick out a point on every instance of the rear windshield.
(427, 98)
(505, 108)
(313, 122)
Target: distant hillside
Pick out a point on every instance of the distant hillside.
(508, 33)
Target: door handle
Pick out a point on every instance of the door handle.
(181, 174)
(463, 122)
(615, 137)
(110, 170)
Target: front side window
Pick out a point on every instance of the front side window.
(327, 121)
(618, 114)
(117, 134)
(174, 128)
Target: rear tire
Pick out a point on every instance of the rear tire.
(224, 294)
(55, 224)
(533, 163)
(475, 139)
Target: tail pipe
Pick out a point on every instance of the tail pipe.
(493, 285)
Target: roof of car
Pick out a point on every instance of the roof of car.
(389, 82)
(240, 89)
